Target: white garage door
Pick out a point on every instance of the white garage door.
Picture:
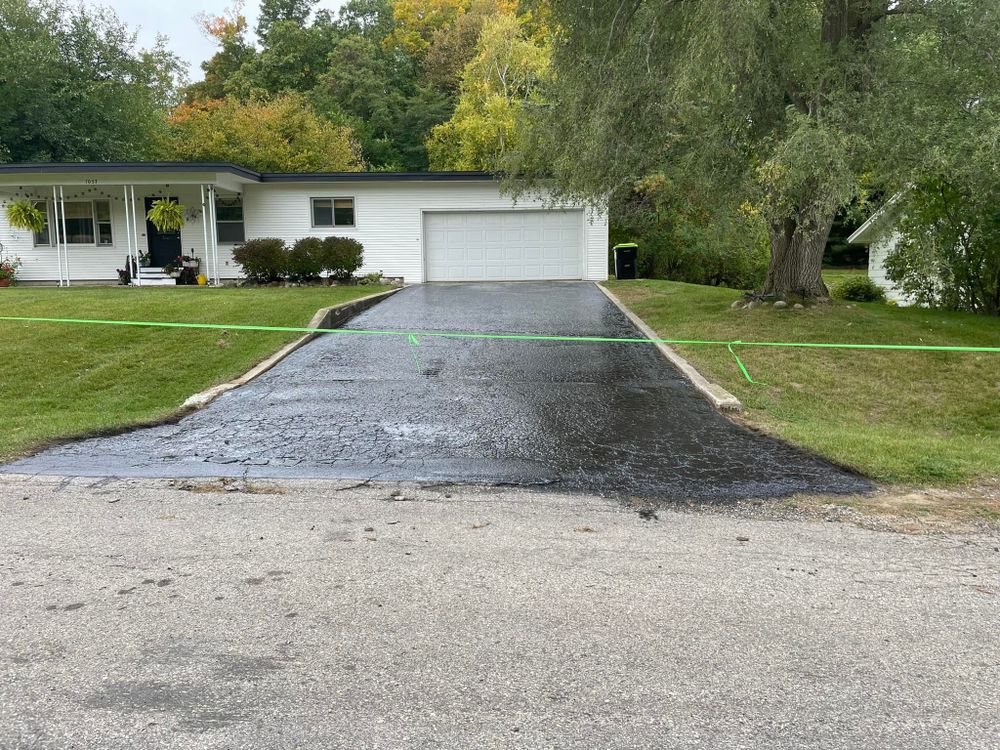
(504, 245)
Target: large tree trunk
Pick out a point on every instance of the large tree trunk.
(797, 247)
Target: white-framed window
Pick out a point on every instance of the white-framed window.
(229, 225)
(102, 215)
(43, 237)
(333, 212)
(85, 222)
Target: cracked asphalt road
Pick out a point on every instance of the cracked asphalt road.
(593, 417)
(138, 615)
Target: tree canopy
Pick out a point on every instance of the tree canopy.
(784, 105)
(75, 86)
(501, 79)
(280, 135)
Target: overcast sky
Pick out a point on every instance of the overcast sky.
(175, 19)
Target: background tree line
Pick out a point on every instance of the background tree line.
(729, 137)
(401, 85)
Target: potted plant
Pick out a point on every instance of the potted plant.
(189, 261)
(145, 260)
(24, 214)
(166, 215)
(172, 271)
(8, 271)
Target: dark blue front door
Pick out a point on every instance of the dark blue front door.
(164, 247)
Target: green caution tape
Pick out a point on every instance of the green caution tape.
(413, 342)
(739, 361)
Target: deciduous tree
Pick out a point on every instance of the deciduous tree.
(75, 86)
(497, 84)
(228, 30)
(779, 102)
(416, 21)
(283, 135)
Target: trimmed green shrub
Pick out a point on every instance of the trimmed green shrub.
(859, 288)
(305, 259)
(342, 256)
(264, 260)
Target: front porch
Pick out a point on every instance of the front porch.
(96, 230)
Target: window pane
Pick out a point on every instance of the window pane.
(229, 209)
(229, 213)
(80, 223)
(344, 212)
(42, 238)
(322, 212)
(103, 211)
(231, 232)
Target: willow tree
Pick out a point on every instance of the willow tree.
(772, 101)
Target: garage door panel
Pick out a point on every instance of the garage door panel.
(503, 245)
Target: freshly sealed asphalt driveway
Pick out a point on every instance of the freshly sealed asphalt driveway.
(597, 417)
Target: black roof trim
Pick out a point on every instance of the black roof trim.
(167, 166)
(128, 166)
(378, 177)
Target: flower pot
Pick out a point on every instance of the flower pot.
(4, 283)
(191, 264)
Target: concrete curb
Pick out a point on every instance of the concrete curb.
(327, 317)
(716, 395)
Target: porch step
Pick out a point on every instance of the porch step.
(152, 276)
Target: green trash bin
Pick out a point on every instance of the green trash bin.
(626, 256)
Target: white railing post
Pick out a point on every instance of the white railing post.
(214, 236)
(128, 239)
(204, 224)
(54, 231)
(135, 233)
(62, 201)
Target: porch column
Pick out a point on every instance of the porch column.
(62, 211)
(128, 239)
(214, 236)
(204, 223)
(135, 233)
(54, 231)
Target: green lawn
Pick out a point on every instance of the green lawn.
(834, 276)
(60, 381)
(930, 418)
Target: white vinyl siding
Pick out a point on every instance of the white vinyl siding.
(504, 245)
(389, 219)
(877, 253)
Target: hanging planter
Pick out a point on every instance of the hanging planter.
(166, 215)
(24, 214)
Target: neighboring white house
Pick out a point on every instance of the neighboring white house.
(438, 226)
(880, 243)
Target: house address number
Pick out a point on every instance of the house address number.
(91, 182)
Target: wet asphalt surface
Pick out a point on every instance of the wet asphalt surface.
(614, 419)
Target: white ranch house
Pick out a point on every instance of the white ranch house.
(446, 226)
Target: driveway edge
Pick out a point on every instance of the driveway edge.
(327, 317)
(716, 395)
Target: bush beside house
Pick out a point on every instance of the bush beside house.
(858, 289)
(268, 260)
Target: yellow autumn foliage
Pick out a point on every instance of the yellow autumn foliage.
(282, 135)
